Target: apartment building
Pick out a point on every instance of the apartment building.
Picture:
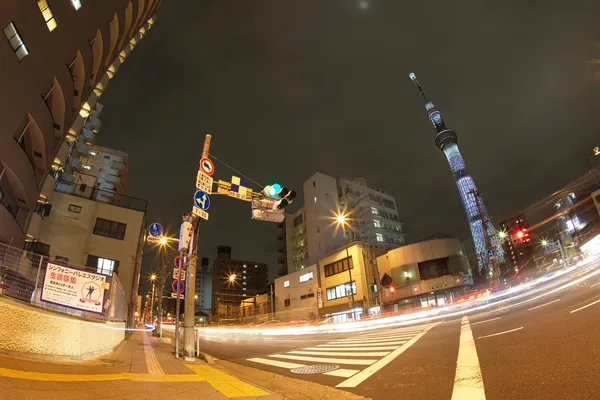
(311, 232)
(56, 58)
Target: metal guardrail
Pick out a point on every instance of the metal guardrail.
(22, 275)
(102, 196)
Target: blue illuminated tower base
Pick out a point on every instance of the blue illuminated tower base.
(447, 140)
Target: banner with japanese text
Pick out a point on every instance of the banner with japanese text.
(74, 288)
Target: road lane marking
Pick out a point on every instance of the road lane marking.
(383, 334)
(337, 344)
(595, 284)
(383, 338)
(276, 363)
(483, 322)
(152, 365)
(344, 373)
(586, 306)
(501, 333)
(353, 348)
(353, 361)
(543, 305)
(340, 353)
(468, 383)
(369, 371)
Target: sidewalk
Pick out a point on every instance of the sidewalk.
(143, 367)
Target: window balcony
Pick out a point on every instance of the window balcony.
(93, 123)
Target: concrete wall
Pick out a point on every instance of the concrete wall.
(32, 331)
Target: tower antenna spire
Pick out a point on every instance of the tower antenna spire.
(419, 88)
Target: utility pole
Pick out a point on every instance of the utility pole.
(492, 258)
(190, 283)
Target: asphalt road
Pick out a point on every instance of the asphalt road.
(545, 348)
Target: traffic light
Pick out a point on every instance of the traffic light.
(286, 196)
(392, 290)
(282, 195)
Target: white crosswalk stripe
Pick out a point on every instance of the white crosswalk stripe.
(366, 352)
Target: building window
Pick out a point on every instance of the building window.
(338, 267)
(287, 302)
(1, 194)
(374, 211)
(47, 14)
(104, 266)
(379, 237)
(76, 4)
(340, 291)
(318, 229)
(317, 213)
(10, 31)
(315, 199)
(314, 184)
(61, 259)
(377, 223)
(321, 245)
(111, 229)
(286, 283)
(306, 277)
(75, 209)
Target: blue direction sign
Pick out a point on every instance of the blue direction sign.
(201, 200)
(155, 229)
(490, 252)
(178, 286)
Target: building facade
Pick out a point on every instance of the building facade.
(298, 295)
(233, 281)
(428, 273)
(60, 57)
(518, 245)
(311, 232)
(203, 287)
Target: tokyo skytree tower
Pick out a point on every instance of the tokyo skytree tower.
(487, 246)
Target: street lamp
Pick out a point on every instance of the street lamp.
(163, 240)
(341, 220)
(544, 242)
(232, 277)
(153, 279)
(502, 235)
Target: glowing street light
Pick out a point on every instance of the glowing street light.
(341, 218)
(544, 242)
(152, 277)
(232, 277)
(502, 235)
(163, 240)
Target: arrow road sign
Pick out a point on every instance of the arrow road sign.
(207, 166)
(156, 229)
(201, 200)
(178, 285)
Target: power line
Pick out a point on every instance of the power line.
(235, 170)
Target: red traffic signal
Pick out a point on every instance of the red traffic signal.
(392, 290)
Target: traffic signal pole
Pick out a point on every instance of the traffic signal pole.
(190, 283)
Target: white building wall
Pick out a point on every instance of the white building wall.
(290, 288)
(321, 202)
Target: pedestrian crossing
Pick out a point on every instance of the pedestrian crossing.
(358, 356)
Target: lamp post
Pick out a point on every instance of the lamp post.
(341, 221)
(153, 279)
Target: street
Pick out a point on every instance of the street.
(544, 348)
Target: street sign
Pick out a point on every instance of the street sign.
(178, 260)
(204, 182)
(207, 166)
(174, 296)
(490, 252)
(176, 274)
(201, 200)
(178, 285)
(153, 239)
(155, 229)
(199, 213)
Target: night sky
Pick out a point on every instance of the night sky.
(288, 88)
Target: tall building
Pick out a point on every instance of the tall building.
(485, 241)
(204, 287)
(57, 59)
(235, 280)
(311, 234)
(518, 245)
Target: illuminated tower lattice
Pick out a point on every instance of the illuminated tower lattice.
(447, 141)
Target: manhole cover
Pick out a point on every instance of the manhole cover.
(315, 369)
(109, 361)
